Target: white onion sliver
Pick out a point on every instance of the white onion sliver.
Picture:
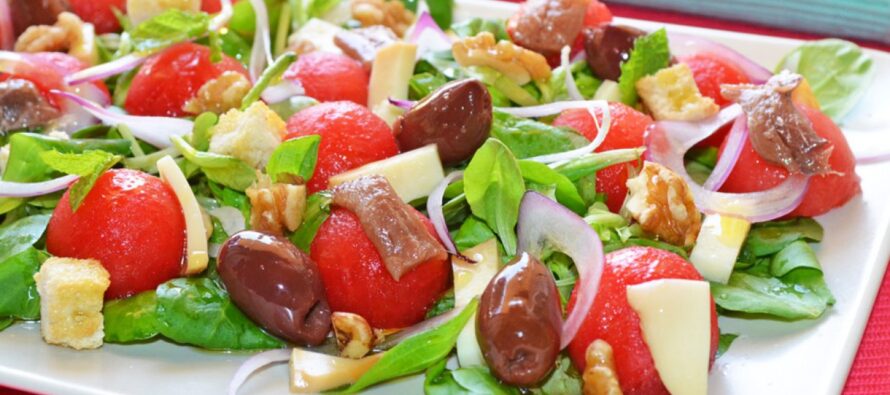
(9, 189)
(731, 152)
(416, 329)
(153, 130)
(255, 363)
(571, 87)
(6, 29)
(558, 107)
(543, 223)
(873, 159)
(231, 219)
(434, 209)
(261, 54)
(105, 70)
(282, 91)
(685, 44)
(222, 19)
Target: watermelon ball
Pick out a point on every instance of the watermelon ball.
(752, 173)
(627, 130)
(330, 77)
(356, 279)
(171, 78)
(99, 13)
(613, 320)
(131, 222)
(351, 136)
(711, 71)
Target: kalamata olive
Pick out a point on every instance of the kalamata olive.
(276, 285)
(456, 117)
(608, 46)
(519, 322)
(27, 13)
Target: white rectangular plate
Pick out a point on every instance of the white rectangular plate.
(805, 357)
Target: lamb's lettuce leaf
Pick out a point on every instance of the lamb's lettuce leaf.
(494, 186)
(650, 54)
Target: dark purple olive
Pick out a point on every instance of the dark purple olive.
(276, 285)
(456, 117)
(519, 322)
(608, 46)
(26, 13)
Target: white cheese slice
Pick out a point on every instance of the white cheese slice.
(675, 316)
(390, 73)
(196, 240)
(319, 33)
(718, 246)
(413, 174)
(312, 372)
(470, 281)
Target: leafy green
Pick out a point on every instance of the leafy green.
(231, 197)
(726, 340)
(700, 162)
(270, 76)
(474, 26)
(527, 138)
(838, 71)
(201, 132)
(556, 88)
(469, 380)
(422, 84)
(169, 27)
(443, 305)
(223, 169)
(294, 159)
(235, 46)
(650, 54)
(197, 311)
(566, 192)
(591, 163)
(132, 319)
(494, 187)
(564, 380)
(472, 232)
(564, 272)
(768, 238)
(317, 211)
(19, 298)
(416, 353)
(21, 235)
(6, 322)
(442, 12)
(88, 166)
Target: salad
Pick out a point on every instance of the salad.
(551, 204)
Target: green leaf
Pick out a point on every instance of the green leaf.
(132, 319)
(726, 340)
(6, 322)
(591, 163)
(197, 311)
(223, 169)
(471, 233)
(478, 380)
(528, 138)
(88, 166)
(443, 305)
(474, 26)
(294, 159)
(270, 76)
(566, 193)
(201, 132)
(768, 238)
(442, 12)
(19, 298)
(317, 211)
(564, 380)
(231, 197)
(650, 54)
(494, 187)
(416, 353)
(21, 235)
(838, 71)
(170, 27)
(422, 84)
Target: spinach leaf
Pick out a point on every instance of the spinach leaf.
(528, 138)
(768, 238)
(650, 54)
(197, 311)
(566, 193)
(19, 298)
(132, 319)
(422, 84)
(564, 380)
(442, 11)
(294, 159)
(494, 187)
(88, 166)
(169, 27)
(21, 235)
(469, 380)
(443, 305)
(838, 71)
(474, 26)
(416, 353)
(6, 322)
(471, 233)
(318, 209)
(726, 340)
(223, 169)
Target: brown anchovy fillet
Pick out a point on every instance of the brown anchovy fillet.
(22, 106)
(393, 226)
(779, 132)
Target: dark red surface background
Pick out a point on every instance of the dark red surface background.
(870, 374)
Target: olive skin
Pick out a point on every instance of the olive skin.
(607, 47)
(276, 285)
(519, 322)
(456, 117)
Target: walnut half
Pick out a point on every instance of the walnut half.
(663, 204)
(70, 34)
(355, 337)
(276, 206)
(391, 14)
(519, 64)
(220, 94)
(600, 377)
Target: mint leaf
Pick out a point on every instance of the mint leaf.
(89, 166)
(650, 54)
(168, 28)
(294, 159)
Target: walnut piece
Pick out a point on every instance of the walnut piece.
(391, 14)
(663, 204)
(600, 377)
(355, 337)
(276, 206)
(220, 94)
(70, 34)
(519, 64)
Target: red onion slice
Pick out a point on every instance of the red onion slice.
(667, 143)
(9, 189)
(873, 159)
(153, 130)
(542, 223)
(558, 107)
(571, 87)
(434, 209)
(403, 104)
(730, 156)
(255, 363)
(222, 19)
(7, 34)
(685, 44)
(261, 54)
(105, 70)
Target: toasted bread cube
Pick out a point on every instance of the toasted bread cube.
(71, 298)
(250, 135)
(671, 95)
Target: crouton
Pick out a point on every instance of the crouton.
(71, 298)
(671, 95)
(250, 135)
